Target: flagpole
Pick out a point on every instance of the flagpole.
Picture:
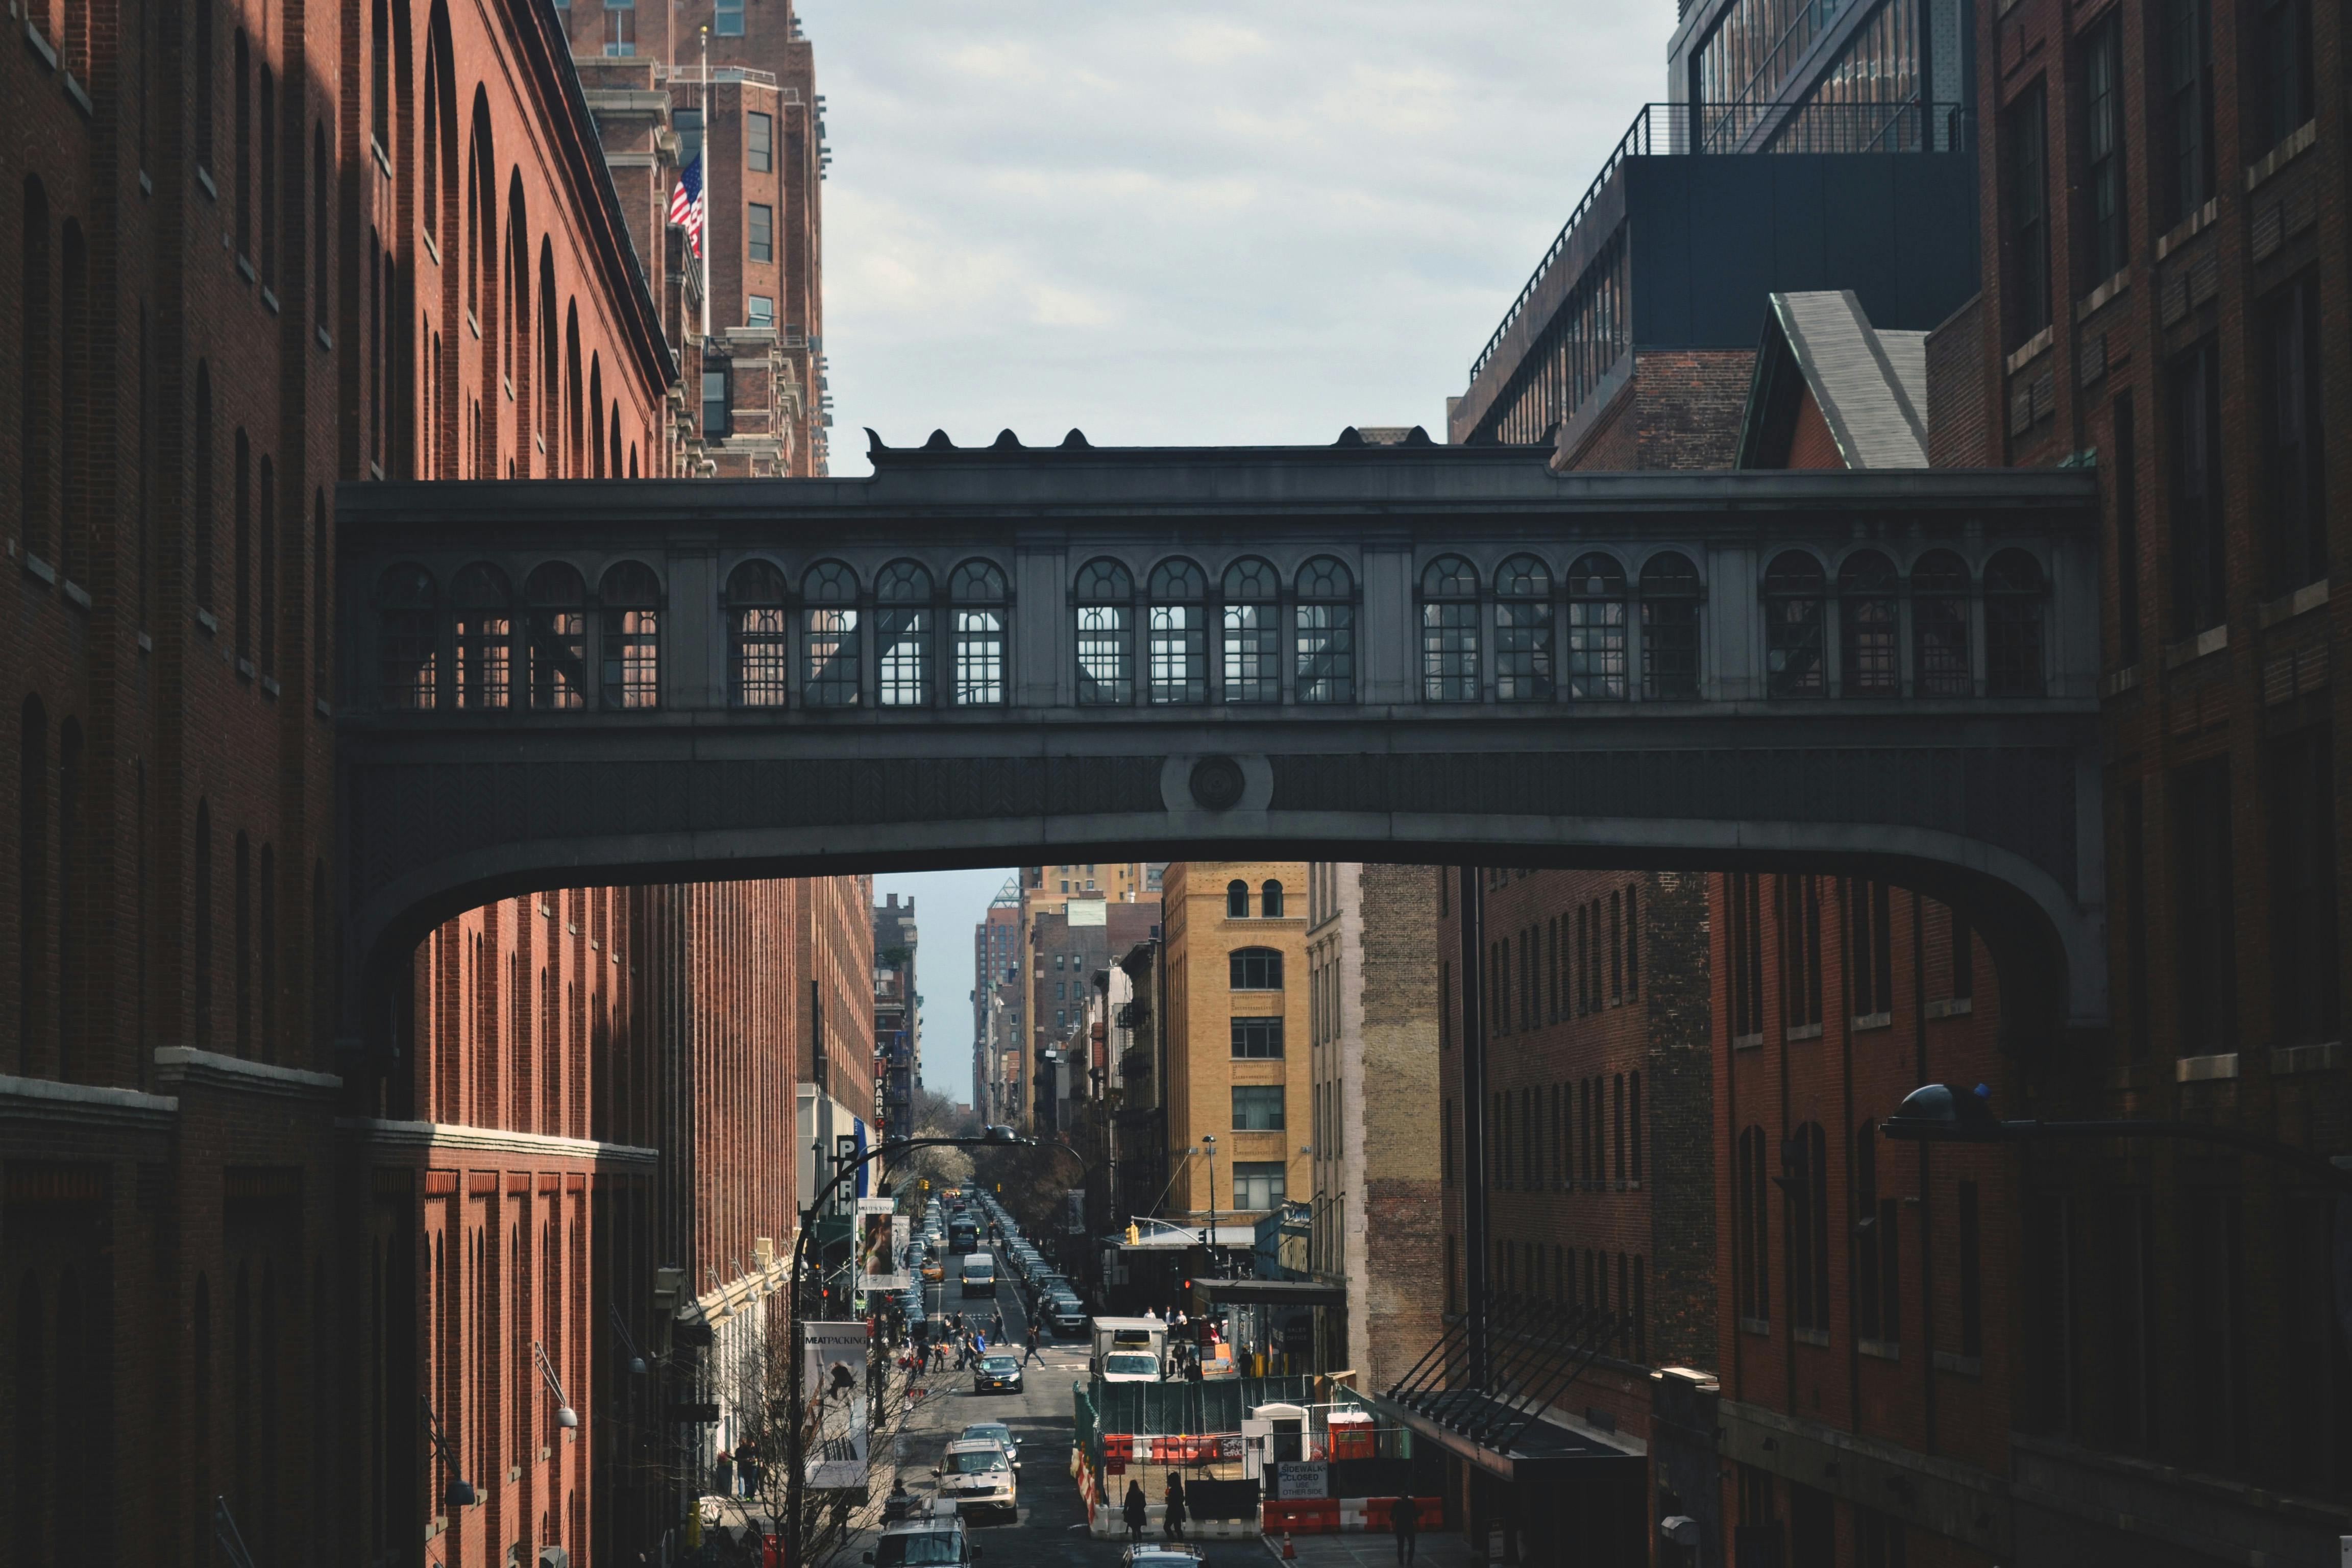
(709, 208)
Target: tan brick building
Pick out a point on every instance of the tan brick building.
(1237, 1057)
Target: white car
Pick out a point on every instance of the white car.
(978, 1475)
(1130, 1366)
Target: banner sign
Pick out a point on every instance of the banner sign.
(833, 1373)
(1294, 1479)
(882, 1237)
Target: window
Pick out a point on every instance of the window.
(1178, 665)
(829, 637)
(2105, 249)
(1792, 626)
(715, 402)
(557, 647)
(484, 644)
(1324, 643)
(632, 599)
(2295, 472)
(1270, 900)
(2213, 1259)
(2183, 109)
(1257, 1108)
(2199, 570)
(1878, 1540)
(1257, 1186)
(2014, 625)
(902, 619)
(1870, 942)
(1669, 628)
(408, 638)
(1751, 1242)
(1596, 628)
(761, 312)
(1449, 631)
(1106, 614)
(206, 501)
(240, 56)
(2299, 778)
(727, 18)
(758, 132)
(1237, 901)
(1255, 968)
(1869, 1308)
(1867, 630)
(1744, 939)
(2206, 956)
(2026, 203)
(1939, 627)
(760, 666)
(1806, 1158)
(1799, 917)
(2283, 73)
(760, 229)
(1257, 1039)
(206, 68)
(1522, 631)
(1253, 632)
(2126, 550)
(620, 27)
(976, 601)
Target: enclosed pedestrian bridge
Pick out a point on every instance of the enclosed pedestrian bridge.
(1002, 655)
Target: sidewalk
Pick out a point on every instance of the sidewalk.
(1439, 1549)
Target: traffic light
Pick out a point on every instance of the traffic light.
(926, 1183)
(1134, 1233)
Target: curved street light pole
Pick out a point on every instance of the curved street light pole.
(796, 1479)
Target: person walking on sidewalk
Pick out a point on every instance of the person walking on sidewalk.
(1135, 1509)
(1405, 1515)
(1176, 1511)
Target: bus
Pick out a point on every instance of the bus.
(980, 1274)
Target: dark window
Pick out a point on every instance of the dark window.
(1870, 942)
(201, 885)
(241, 542)
(2199, 570)
(1805, 1160)
(760, 629)
(760, 229)
(1799, 917)
(1596, 628)
(241, 966)
(2132, 851)
(2013, 596)
(481, 609)
(32, 879)
(558, 645)
(715, 402)
(1744, 944)
(1669, 628)
(407, 638)
(2026, 201)
(1237, 900)
(1971, 1275)
(2295, 465)
(2214, 1264)
(1634, 1123)
(1794, 588)
(2127, 551)
(2299, 778)
(760, 140)
(2314, 1370)
(241, 98)
(1867, 628)
(2128, 1330)
(1751, 1244)
(1878, 1540)
(1270, 900)
(631, 597)
(2206, 890)
(2183, 110)
(1869, 1318)
(2106, 240)
(1939, 627)
(1523, 648)
(206, 69)
(1255, 969)
(2283, 98)
(1257, 1108)
(1257, 1039)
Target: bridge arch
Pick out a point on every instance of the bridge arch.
(1667, 709)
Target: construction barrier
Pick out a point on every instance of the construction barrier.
(1378, 1514)
(1301, 1516)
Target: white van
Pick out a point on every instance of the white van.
(979, 1271)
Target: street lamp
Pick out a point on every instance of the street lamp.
(1210, 1240)
(1939, 1113)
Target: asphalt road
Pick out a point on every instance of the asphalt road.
(1049, 1531)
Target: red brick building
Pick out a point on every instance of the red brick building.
(2163, 209)
(255, 254)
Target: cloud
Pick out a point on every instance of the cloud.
(1228, 223)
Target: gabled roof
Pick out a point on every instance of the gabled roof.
(1870, 386)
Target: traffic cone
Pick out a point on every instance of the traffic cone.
(1289, 1552)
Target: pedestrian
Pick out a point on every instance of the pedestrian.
(999, 1321)
(1134, 1510)
(1032, 1354)
(1175, 1506)
(1405, 1515)
(723, 1474)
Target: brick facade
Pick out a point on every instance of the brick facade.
(2165, 233)
(1678, 408)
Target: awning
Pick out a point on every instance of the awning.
(1274, 1292)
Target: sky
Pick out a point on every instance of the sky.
(1217, 222)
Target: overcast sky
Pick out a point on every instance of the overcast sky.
(1215, 222)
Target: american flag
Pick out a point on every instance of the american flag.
(686, 206)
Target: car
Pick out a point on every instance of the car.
(935, 1270)
(977, 1475)
(1000, 1432)
(997, 1374)
(938, 1541)
(1163, 1554)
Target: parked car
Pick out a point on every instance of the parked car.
(939, 1541)
(1000, 1432)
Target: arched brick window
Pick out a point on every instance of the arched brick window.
(1237, 900)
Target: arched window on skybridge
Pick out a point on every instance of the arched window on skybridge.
(1523, 651)
(631, 597)
(1179, 659)
(1106, 626)
(1868, 631)
(1324, 644)
(903, 620)
(408, 638)
(829, 637)
(1939, 627)
(1596, 629)
(1252, 631)
(1449, 631)
(976, 600)
(481, 609)
(558, 637)
(758, 631)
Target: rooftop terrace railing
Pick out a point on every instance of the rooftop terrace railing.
(1662, 130)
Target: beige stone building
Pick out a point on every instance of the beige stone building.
(1377, 1225)
(1236, 1032)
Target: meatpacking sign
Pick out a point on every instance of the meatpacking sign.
(834, 1376)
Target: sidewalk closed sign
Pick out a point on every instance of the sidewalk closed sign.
(1302, 1479)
